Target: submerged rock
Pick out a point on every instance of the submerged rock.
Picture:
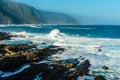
(105, 68)
(43, 43)
(5, 36)
(99, 77)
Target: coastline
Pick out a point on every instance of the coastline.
(14, 56)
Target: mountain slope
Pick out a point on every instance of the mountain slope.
(18, 13)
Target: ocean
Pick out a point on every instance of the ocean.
(99, 43)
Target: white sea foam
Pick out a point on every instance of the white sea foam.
(53, 34)
(19, 33)
(56, 34)
(3, 25)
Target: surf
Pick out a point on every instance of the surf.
(99, 50)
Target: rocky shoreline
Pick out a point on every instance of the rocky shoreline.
(14, 56)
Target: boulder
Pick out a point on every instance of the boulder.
(99, 77)
(105, 67)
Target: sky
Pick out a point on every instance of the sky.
(103, 12)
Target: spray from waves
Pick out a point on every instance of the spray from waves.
(53, 34)
(56, 34)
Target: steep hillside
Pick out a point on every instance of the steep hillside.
(18, 13)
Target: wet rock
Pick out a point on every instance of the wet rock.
(14, 48)
(11, 64)
(99, 50)
(69, 63)
(5, 36)
(43, 43)
(70, 76)
(99, 77)
(83, 69)
(105, 68)
(19, 47)
(2, 49)
(40, 54)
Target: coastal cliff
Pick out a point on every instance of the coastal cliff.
(19, 13)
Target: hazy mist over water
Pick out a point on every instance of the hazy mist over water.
(103, 12)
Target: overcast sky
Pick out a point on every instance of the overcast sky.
(87, 11)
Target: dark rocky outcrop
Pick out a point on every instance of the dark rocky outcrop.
(55, 70)
(11, 49)
(14, 56)
(18, 13)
